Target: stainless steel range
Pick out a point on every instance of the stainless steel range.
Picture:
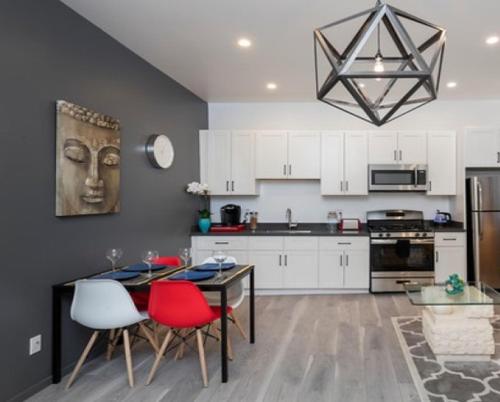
(401, 250)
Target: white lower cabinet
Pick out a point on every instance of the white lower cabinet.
(344, 262)
(295, 262)
(450, 255)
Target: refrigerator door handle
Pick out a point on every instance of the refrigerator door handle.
(479, 209)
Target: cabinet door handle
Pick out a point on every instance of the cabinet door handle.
(232, 185)
(341, 186)
(227, 185)
(347, 185)
(344, 243)
(341, 260)
(280, 261)
(221, 242)
(498, 157)
(286, 260)
(395, 155)
(347, 260)
(450, 239)
(430, 185)
(437, 256)
(400, 155)
(284, 170)
(289, 170)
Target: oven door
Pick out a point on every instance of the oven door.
(401, 255)
(397, 178)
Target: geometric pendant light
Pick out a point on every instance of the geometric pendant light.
(388, 66)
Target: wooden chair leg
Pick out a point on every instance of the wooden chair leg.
(159, 356)
(112, 347)
(111, 340)
(238, 325)
(179, 354)
(128, 357)
(201, 353)
(149, 337)
(229, 348)
(82, 358)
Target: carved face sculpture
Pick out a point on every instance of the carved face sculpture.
(88, 162)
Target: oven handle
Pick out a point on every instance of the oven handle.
(394, 241)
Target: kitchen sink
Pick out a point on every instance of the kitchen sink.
(287, 231)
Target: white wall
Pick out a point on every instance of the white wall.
(304, 196)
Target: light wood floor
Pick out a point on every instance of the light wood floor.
(308, 348)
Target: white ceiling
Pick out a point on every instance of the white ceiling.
(194, 41)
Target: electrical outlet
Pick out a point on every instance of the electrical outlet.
(35, 344)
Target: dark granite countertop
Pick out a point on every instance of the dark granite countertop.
(280, 229)
(452, 226)
(317, 229)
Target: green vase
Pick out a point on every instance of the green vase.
(204, 224)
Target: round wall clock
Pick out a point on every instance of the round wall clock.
(160, 151)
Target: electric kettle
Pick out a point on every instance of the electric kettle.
(442, 217)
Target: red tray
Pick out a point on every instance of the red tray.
(220, 228)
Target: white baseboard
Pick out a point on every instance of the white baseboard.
(283, 292)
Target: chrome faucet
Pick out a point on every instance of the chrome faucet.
(289, 219)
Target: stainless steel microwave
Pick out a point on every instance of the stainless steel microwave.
(397, 177)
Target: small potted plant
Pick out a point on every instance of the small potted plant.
(454, 285)
(201, 190)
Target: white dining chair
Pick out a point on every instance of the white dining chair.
(105, 305)
(235, 295)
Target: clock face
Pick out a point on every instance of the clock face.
(160, 151)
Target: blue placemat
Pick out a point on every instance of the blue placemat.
(192, 276)
(142, 267)
(118, 275)
(214, 266)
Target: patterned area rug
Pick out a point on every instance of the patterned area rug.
(449, 381)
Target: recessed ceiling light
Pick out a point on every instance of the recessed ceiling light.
(451, 84)
(491, 40)
(271, 86)
(244, 42)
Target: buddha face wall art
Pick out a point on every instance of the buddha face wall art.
(87, 162)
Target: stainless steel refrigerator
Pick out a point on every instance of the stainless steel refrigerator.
(483, 217)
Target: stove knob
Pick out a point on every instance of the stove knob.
(417, 234)
(380, 235)
(387, 235)
(424, 234)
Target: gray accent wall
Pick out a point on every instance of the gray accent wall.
(48, 52)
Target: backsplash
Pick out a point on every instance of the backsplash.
(307, 204)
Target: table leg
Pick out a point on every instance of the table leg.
(56, 335)
(223, 328)
(252, 307)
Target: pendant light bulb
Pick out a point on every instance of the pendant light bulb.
(379, 65)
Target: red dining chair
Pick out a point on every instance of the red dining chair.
(180, 305)
(141, 298)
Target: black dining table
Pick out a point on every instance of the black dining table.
(142, 282)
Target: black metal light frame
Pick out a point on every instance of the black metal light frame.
(412, 64)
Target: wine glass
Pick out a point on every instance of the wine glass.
(185, 255)
(219, 257)
(149, 257)
(114, 255)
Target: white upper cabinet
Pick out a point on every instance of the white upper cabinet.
(383, 147)
(441, 163)
(332, 163)
(271, 149)
(227, 161)
(388, 147)
(412, 147)
(219, 161)
(304, 155)
(344, 163)
(482, 148)
(288, 155)
(243, 163)
(356, 163)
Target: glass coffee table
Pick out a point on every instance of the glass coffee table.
(457, 327)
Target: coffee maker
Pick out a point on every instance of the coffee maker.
(230, 215)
